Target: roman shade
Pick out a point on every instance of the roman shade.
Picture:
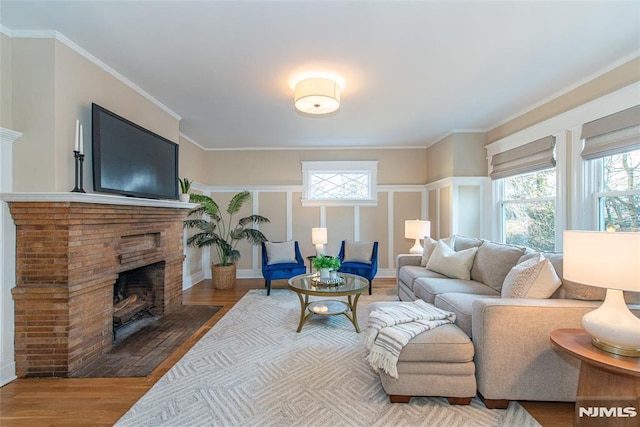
(531, 157)
(613, 134)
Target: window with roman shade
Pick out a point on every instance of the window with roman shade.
(532, 157)
(614, 134)
(611, 151)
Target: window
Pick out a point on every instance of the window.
(617, 198)
(339, 183)
(611, 151)
(525, 188)
(528, 209)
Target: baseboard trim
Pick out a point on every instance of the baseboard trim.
(7, 372)
(249, 273)
(190, 280)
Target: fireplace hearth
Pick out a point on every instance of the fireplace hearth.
(69, 257)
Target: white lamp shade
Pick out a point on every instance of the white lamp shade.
(612, 261)
(319, 236)
(602, 259)
(317, 96)
(417, 229)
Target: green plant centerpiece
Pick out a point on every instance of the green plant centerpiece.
(326, 264)
(214, 229)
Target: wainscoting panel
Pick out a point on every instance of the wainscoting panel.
(291, 221)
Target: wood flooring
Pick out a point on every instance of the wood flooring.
(102, 401)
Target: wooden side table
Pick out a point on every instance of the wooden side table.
(608, 385)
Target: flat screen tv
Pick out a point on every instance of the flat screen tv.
(131, 161)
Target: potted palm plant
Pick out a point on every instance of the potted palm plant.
(219, 231)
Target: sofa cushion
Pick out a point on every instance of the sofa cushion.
(430, 245)
(457, 265)
(461, 243)
(446, 343)
(409, 273)
(493, 262)
(462, 306)
(427, 288)
(533, 278)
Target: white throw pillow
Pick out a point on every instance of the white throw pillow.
(358, 252)
(430, 245)
(456, 265)
(281, 252)
(533, 278)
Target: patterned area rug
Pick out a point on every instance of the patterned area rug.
(253, 369)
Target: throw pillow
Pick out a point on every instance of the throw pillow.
(281, 252)
(533, 278)
(462, 243)
(358, 252)
(493, 263)
(456, 265)
(430, 245)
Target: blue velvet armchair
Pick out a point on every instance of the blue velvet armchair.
(354, 261)
(281, 268)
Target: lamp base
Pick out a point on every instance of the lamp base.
(416, 248)
(613, 328)
(319, 249)
(615, 349)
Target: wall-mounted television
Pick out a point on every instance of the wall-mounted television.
(130, 160)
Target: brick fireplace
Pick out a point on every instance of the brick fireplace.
(68, 257)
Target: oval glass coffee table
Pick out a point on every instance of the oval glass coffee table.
(306, 285)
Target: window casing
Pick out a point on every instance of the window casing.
(339, 183)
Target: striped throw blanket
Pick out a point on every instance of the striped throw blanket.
(392, 327)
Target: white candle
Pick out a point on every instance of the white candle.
(77, 135)
(81, 141)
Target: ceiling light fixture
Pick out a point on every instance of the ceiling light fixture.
(317, 96)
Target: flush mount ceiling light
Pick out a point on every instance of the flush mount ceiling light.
(317, 96)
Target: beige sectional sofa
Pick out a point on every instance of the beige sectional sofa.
(514, 359)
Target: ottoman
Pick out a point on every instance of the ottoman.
(438, 362)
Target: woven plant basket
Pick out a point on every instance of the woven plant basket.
(223, 276)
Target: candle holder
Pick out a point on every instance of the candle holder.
(79, 160)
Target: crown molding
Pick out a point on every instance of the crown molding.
(6, 31)
(8, 135)
(197, 144)
(565, 91)
(185, 137)
(610, 103)
(454, 132)
(319, 148)
(30, 34)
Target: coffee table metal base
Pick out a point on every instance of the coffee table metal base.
(328, 308)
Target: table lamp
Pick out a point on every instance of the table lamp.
(416, 229)
(319, 238)
(611, 261)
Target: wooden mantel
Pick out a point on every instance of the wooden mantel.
(70, 248)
